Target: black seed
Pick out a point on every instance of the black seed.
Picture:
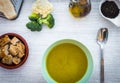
(109, 9)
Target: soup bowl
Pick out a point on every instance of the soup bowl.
(76, 60)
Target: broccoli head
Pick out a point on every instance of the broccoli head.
(49, 21)
(34, 17)
(34, 26)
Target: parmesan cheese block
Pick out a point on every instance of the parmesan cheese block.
(10, 8)
(7, 9)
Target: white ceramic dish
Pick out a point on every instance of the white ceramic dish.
(115, 20)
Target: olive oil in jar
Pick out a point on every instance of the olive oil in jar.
(79, 8)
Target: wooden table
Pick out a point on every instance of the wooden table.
(66, 27)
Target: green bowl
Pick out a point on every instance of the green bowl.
(89, 70)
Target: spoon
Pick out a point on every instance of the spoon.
(101, 40)
(115, 20)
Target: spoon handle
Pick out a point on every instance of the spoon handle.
(101, 66)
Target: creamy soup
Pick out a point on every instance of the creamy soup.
(66, 63)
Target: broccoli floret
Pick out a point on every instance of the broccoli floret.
(49, 21)
(34, 17)
(34, 26)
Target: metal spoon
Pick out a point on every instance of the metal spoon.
(101, 40)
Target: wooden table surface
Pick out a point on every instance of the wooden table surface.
(83, 30)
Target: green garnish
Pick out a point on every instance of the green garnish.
(34, 26)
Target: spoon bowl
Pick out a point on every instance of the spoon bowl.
(102, 36)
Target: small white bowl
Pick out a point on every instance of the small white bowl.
(115, 20)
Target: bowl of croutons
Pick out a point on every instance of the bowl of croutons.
(13, 50)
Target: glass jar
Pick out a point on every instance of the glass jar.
(79, 8)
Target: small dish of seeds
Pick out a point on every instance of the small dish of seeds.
(13, 50)
(109, 9)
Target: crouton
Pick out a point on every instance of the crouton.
(14, 40)
(16, 60)
(21, 47)
(4, 40)
(13, 50)
(20, 54)
(4, 50)
(1, 54)
(7, 59)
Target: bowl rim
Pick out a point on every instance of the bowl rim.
(26, 51)
(89, 69)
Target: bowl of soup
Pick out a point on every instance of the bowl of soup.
(67, 61)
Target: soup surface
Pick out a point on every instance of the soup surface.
(66, 63)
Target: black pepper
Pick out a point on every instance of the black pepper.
(109, 9)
